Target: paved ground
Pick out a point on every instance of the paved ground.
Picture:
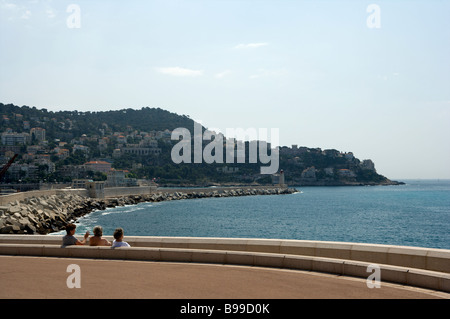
(38, 277)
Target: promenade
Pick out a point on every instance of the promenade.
(27, 277)
(187, 268)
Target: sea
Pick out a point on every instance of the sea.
(415, 214)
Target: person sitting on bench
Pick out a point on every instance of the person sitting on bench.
(97, 239)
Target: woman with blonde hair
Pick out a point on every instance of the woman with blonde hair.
(97, 239)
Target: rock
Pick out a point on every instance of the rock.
(8, 229)
(23, 221)
(43, 202)
(14, 209)
(16, 229)
(33, 219)
(24, 211)
(30, 229)
(4, 210)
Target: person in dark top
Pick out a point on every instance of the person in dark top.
(70, 239)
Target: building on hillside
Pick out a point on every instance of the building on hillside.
(81, 148)
(331, 153)
(34, 149)
(309, 173)
(121, 139)
(62, 153)
(228, 170)
(11, 138)
(38, 133)
(98, 166)
(349, 156)
(21, 171)
(103, 143)
(117, 153)
(80, 183)
(115, 178)
(72, 171)
(368, 164)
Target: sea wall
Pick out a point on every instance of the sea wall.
(128, 191)
(49, 213)
(20, 196)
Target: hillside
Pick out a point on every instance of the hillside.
(55, 146)
(73, 124)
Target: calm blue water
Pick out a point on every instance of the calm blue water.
(416, 214)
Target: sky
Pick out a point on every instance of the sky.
(368, 77)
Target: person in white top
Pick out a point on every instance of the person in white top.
(118, 239)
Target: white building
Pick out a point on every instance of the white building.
(38, 133)
(309, 173)
(10, 139)
(98, 166)
(115, 178)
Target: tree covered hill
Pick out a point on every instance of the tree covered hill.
(139, 141)
(74, 124)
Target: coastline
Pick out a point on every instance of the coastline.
(50, 213)
(301, 182)
(340, 183)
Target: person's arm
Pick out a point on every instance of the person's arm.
(84, 239)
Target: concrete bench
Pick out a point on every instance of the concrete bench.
(403, 256)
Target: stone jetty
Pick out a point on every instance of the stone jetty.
(50, 213)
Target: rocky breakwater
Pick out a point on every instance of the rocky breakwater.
(44, 214)
(47, 214)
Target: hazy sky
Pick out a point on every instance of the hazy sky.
(328, 74)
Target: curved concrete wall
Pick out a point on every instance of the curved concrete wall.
(413, 257)
(421, 267)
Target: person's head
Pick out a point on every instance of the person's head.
(69, 228)
(118, 234)
(98, 231)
